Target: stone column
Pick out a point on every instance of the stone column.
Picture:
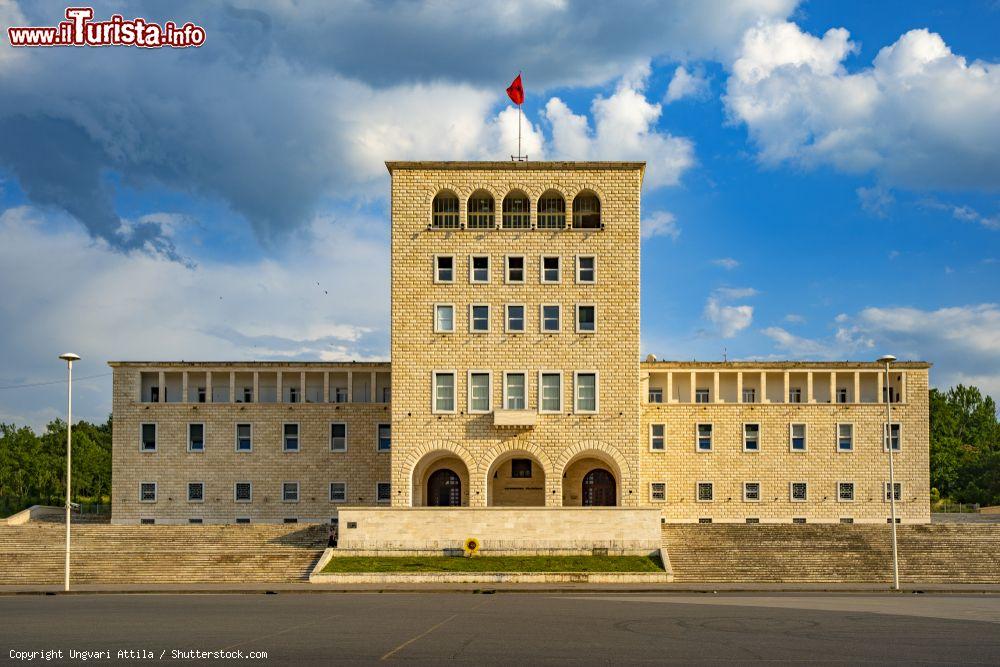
(208, 386)
(281, 396)
(326, 386)
(162, 380)
(857, 387)
(785, 387)
(763, 387)
(694, 382)
(739, 386)
(670, 386)
(809, 387)
(184, 386)
(232, 386)
(715, 388)
(256, 387)
(350, 386)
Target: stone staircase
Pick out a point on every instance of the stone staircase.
(262, 553)
(824, 553)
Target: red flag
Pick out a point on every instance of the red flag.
(516, 91)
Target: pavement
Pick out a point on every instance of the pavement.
(536, 628)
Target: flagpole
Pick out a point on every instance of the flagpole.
(518, 131)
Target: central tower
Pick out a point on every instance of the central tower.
(515, 333)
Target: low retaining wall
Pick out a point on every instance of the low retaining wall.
(32, 513)
(389, 531)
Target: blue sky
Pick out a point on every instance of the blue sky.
(823, 176)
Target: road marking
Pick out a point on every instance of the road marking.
(428, 631)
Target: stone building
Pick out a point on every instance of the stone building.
(516, 381)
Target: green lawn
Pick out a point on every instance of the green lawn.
(348, 564)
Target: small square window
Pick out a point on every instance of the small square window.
(795, 395)
(799, 491)
(244, 438)
(657, 437)
(290, 438)
(701, 395)
(515, 318)
(340, 395)
(704, 437)
(383, 492)
(444, 319)
(338, 492)
(147, 492)
(290, 492)
(705, 492)
(551, 318)
(515, 269)
(751, 437)
(384, 437)
(338, 437)
(845, 492)
(655, 395)
(479, 318)
(444, 269)
(147, 441)
(751, 492)
(797, 437)
(479, 269)
(586, 269)
(196, 437)
(657, 492)
(243, 492)
(845, 437)
(705, 519)
(515, 391)
(196, 492)
(551, 269)
(520, 468)
(842, 395)
(750, 395)
(586, 318)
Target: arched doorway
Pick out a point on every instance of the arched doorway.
(516, 479)
(444, 489)
(599, 489)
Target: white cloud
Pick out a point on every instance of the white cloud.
(735, 292)
(965, 213)
(624, 129)
(729, 320)
(727, 263)
(876, 200)
(660, 223)
(687, 84)
(793, 318)
(920, 117)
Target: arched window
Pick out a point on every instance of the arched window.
(586, 211)
(481, 211)
(515, 211)
(551, 211)
(444, 210)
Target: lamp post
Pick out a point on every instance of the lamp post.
(69, 358)
(888, 359)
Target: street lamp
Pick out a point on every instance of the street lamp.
(888, 359)
(69, 358)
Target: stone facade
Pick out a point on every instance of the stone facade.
(455, 436)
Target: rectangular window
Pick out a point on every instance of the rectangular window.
(898, 488)
(147, 437)
(551, 318)
(383, 492)
(242, 519)
(290, 437)
(586, 318)
(655, 396)
(444, 392)
(338, 437)
(705, 492)
(243, 492)
(799, 519)
(479, 318)
(551, 269)
(550, 392)
(154, 394)
(586, 392)
(515, 391)
(657, 492)
(794, 395)
(196, 437)
(586, 269)
(797, 437)
(196, 492)
(444, 269)
(146, 521)
(845, 437)
(704, 437)
(147, 492)
(479, 392)
(846, 519)
(515, 269)
(520, 468)
(293, 394)
(290, 492)
(247, 395)
(244, 438)
(338, 492)
(799, 491)
(751, 492)
(202, 394)
(845, 492)
(479, 269)
(893, 438)
(701, 395)
(194, 521)
(753, 519)
(750, 395)
(340, 395)
(290, 519)
(751, 437)
(384, 438)
(842, 395)
(658, 437)
(444, 318)
(515, 318)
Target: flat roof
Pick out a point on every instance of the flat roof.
(511, 165)
(247, 364)
(783, 365)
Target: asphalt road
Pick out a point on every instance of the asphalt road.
(513, 628)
